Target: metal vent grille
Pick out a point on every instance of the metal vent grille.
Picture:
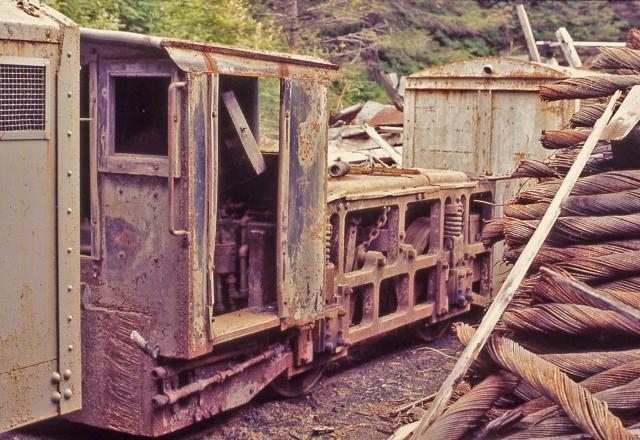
(22, 97)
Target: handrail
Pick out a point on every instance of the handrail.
(172, 120)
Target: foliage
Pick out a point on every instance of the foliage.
(404, 36)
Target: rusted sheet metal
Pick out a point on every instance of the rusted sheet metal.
(482, 117)
(195, 60)
(250, 54)
(39, 271)
(360, 187)
(21, 26)
(198, 121)
(302, 201)
(491, 73)
(68, 221)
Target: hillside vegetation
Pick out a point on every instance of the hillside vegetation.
(363, 36)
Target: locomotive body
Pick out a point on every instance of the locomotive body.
(216, 257)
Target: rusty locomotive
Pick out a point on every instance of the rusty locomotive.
(171, 242)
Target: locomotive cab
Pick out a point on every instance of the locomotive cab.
(203, 210)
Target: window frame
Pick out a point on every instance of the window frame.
(130, 163)
(94, 206)
(49, 95)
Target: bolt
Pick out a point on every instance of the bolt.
(69, 94)
(69, 173)
(69, 133)
(69, 288)
(69, 210)
(69, 250)
(55, 377)
(69, 318)
(56, 397)
(68, 54)
(67, 393)
(70, 348)
(66, 374)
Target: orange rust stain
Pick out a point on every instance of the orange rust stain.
(519, 156)
(211, 63)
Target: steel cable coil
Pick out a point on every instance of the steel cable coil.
(608, 182)
(633, 38)
(613, 377)
(587, 412)
(622, 202)
(557, 139)
(579, 365)
(548, 290)
(617, 58)
(572, 320)
(552, 421)
(605, 267)
(627, 283)
(551, 254)
(469, 410)
(587, 87)
(573, 230)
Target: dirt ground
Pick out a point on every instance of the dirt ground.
(353, 400)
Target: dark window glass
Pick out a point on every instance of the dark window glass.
(141, 115)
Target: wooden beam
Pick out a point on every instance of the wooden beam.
(244, 132)
(373, 134)
(515, 277)
(601, 298)
(584, 44)
(568, 48)
(534, 55)
(626, 118)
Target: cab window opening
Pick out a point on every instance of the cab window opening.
(140, 115)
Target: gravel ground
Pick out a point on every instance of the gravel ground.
(353, 400)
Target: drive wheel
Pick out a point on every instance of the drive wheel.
(299, 385)
(430, 332)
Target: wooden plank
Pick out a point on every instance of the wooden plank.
(584, 44)
(626, 117)
(244, 132)
(534, 55)
(600, 297)
(515, 277)
(373, 134)
(568, 48)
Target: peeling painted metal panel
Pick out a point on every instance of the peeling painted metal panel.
(302, 201)
(198, 127)
(40, 371)
(482, 117)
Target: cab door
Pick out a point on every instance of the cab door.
(302, 201)
(40, 372)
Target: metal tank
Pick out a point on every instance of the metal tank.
(39, 265)
(482, 116)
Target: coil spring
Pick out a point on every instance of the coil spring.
(453, 219)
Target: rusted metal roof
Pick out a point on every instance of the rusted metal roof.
(491, 72)
(197, 57)
(32, 23)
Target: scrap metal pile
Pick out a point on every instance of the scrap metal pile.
(560, 364)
